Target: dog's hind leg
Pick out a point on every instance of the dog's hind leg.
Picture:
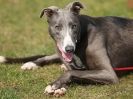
(40, 62)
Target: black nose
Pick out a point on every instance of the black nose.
(69, 49)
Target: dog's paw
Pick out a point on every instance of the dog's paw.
(50, 90)
(64, 68)
(60, 92)
(2, 59)
(29, 66)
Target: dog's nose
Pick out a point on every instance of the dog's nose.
(69, 49)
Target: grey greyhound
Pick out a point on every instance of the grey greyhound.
(90, 47)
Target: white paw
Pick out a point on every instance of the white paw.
(60, 92)
(2, 59)
(29, 66)
(50, 90)
(64, 68)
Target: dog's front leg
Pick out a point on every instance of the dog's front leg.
(58, 87)
(40, 62)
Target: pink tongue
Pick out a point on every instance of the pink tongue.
(67, 56)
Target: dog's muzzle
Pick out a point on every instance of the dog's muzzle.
(69, 49)
(68, 53)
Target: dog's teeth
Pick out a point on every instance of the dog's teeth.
(2, 59)
(29, 66)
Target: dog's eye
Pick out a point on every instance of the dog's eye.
(58, 27)
(74, 26)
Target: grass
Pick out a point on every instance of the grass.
(23, 33)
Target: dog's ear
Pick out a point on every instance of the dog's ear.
(49, 12)
(74, 7)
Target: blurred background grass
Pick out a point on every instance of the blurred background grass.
(23, 33)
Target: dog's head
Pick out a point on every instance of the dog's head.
(64, 27)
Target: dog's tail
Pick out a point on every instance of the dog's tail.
(10, 60)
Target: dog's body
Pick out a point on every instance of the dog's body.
(114, 34)
(95, 46)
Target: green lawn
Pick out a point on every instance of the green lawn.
(23, 33)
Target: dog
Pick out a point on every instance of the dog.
(90, 47)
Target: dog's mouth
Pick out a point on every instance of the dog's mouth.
(66, 56)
